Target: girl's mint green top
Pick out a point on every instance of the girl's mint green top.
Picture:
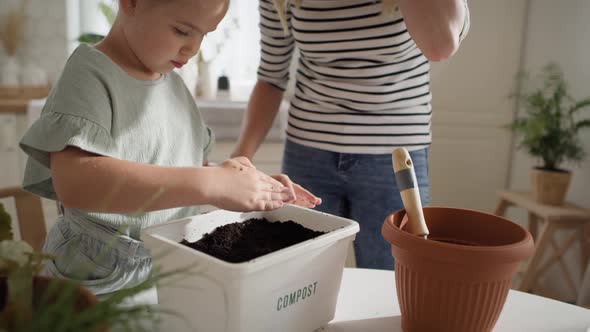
(99, 108)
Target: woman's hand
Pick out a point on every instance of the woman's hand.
(239, 186)
(302, 197)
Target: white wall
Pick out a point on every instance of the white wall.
(559, 31)
(470, 153)
(45, 42)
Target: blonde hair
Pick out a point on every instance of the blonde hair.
(389, 6)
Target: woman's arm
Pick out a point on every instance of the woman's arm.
(102, 184)
(435, 25)
(262, 109)
(277, 47)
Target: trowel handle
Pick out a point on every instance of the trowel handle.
(405, 176)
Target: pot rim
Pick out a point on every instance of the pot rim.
(457, 253)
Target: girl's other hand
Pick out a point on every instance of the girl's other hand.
(239, 186)
(302, 197)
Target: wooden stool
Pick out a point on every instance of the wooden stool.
(555, 218)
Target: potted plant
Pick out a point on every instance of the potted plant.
(29, 302)
(549, 130)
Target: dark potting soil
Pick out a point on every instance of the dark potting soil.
(242, 241)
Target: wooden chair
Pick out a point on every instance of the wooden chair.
(29, 214)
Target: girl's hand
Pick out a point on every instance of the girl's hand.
(239, 186)
(302, 197)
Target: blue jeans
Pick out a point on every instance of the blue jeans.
(360, 187)
(98, 258)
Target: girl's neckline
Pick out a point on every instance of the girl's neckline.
(122, 72)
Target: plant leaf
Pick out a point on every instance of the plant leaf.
(108, 12)
(90, 38)
(582, 124)
(579, 105)
(548, 130)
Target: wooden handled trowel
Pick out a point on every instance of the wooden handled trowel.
(405, 176)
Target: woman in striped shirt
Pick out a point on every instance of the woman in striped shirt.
(362, 89)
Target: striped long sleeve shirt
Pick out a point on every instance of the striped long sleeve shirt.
(362, 84)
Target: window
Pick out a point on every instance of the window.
(231, 50)
(84, 16)
(242, 50)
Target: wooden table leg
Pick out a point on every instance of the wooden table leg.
(584, 292)
(559, 253)
(533, 225)
(531, 272)
(501, 208)
(583, 246)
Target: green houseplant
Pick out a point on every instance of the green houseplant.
(29, 302)
(549, 130)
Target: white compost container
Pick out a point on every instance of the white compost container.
(293, 289)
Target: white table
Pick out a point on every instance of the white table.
(368, 302)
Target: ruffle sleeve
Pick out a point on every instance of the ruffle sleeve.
(53, 132)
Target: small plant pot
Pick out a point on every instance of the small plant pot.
(84, 298)
(549, 187)
(446, 286)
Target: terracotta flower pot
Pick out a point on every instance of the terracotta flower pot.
(452, 287)
(85, 298)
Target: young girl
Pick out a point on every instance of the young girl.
(121, 144)
(362, 88)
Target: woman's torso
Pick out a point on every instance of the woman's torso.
(362, 84)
